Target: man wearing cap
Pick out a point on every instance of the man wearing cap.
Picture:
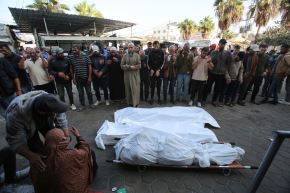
(27, 116)
(100, 74)
(222, 60)
(59, 68)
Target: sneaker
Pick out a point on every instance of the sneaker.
(81, 108)
(242, 103)
(190, 103)
(273, 102)
(92, 106)
(97, 103)
(73, 107)
(199, 104)
(284, 102)
(107, 102)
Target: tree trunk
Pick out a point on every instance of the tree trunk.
(257, 34)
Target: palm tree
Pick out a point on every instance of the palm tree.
(206, 26)
(84, 9)
(49, 6)
(285, 9)
(263, 11)
(229, 12)
(187, 28)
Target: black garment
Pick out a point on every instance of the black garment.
(219, 87)
(8, 160)
(60, 65)
(257, 81)
(156, 59)
(60, 90)
(144, 78)
(244, 88)
(101, 83)
(197, 86)
(208, 87)
(116, 79)
(49, 87)
(155, 82)
(81, 85)
(169, 82)
(231, 91)
(23, 76)
(7, 76)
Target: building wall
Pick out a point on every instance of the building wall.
(168, 32)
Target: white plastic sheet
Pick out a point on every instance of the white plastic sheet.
(157, 147)
(185, 122)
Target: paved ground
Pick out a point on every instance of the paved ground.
(249, 127)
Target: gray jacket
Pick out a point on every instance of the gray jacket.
(20, 125)
(235, 71)
(221, 61)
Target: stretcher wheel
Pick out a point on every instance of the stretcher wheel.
(227, 172)
(142, 169)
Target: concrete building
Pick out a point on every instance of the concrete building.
(169, 32)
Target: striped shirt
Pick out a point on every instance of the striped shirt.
(80, 66)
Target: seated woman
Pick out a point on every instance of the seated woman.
(67, 170)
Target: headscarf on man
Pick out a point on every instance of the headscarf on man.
(68, 170)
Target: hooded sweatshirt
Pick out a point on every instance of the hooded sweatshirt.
(20, 123)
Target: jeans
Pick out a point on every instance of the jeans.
(101, 83)
(68, 87)
(8, 160)
(197, 86)
(274, 88)
(287, 97)
(219, 87)
(155, 82)
(257, 84)
(231, 91)
(81, 85)
(144, 88)
(183, 80)
(171, 83)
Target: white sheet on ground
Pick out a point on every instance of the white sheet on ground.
(158, 147)
(185, 122)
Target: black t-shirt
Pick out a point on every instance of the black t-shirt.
(24, 79)
(59, 65)
(156, 59)
(7, 76)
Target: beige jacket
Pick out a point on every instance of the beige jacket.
(283, 67)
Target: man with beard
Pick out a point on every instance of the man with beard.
(59, 68)
(27, 116)
(116, 76)
(131, 64)
(155, 61)
(100, 75)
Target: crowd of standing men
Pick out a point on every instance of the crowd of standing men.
(132, 73)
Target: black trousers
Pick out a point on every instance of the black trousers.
(231, 91)
(155, 82)
(219, 87)
(102, 83)
(257, 81)
(244, 88)
(60, 90)
(8, 160)
(266, 85)
(197, 86)
(83, 84)
(168, 82)
(208, 87)
(49, 87)
(144, 87)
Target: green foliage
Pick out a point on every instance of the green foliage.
(275, 36)
(227, 34)
(206, 26)
(85, 9)
(187, 27)
(228, 12)
(49, 6)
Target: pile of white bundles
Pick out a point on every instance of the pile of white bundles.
(167, 136)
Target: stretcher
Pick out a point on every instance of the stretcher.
(225, 169)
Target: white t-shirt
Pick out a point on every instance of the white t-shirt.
(201, 71)
(36, 72)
